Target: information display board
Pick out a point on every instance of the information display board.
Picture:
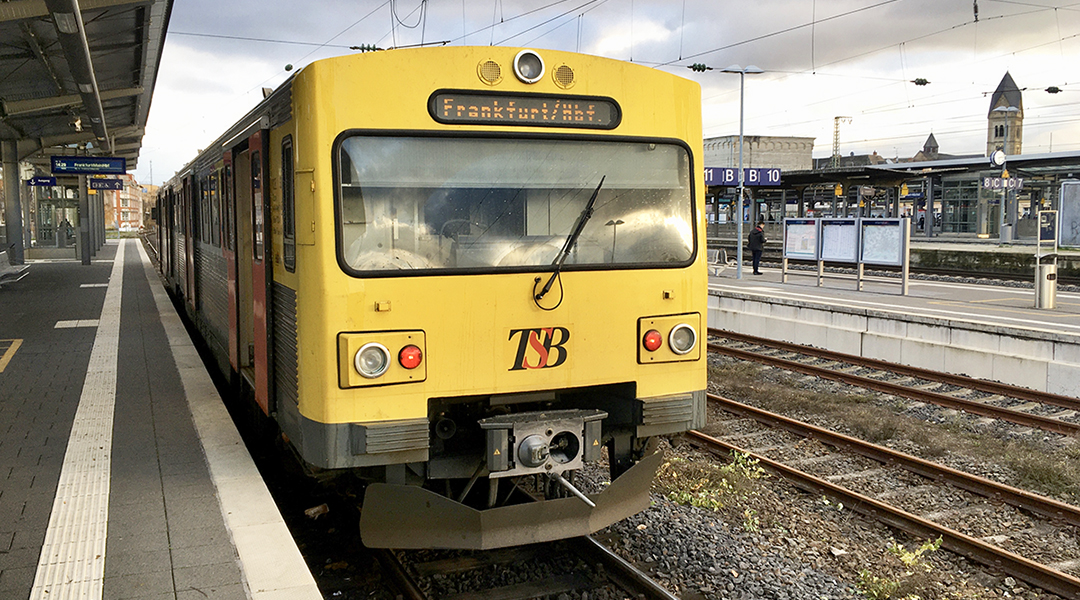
(801, 239)
(1069, 219)
(882, 242)
(89, 165)
(840, 240)
(1048, 226)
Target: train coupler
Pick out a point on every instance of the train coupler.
(542, 442)
(406, 517)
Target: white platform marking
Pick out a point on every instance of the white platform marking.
(72, 561)
(77, 323)
(1027, 323)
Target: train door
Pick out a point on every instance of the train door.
(260, 263)
(164, 227)
(245, 331)
(253, 268)
(228, 248)
(190, 239)
(168, 234)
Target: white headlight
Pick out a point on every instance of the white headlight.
(682, 339)
(528, 66)
(372, 360)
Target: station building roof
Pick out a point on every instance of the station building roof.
(79, 72)
(1062, 163)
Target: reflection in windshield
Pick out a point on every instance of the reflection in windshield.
(440, 203)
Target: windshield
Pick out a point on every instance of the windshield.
(495, 204)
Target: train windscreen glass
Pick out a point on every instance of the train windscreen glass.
(510, 204)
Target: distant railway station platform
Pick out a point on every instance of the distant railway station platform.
(941, 253)
(987, 331)
(121, 473)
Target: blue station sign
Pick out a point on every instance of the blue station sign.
(730, 176)
(41, 181)
(89, 165)
(106, 184)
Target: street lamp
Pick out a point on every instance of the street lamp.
(749, 70)
(614, 224)
(752, 70)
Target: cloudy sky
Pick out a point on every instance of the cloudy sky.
(823, 59)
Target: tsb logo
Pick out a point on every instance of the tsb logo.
(540, 348)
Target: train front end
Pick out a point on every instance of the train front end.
(505, 277)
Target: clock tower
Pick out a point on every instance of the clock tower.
(1005, 121)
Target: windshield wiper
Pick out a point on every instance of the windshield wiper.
(586, 214)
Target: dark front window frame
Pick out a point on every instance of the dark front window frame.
(338, 225)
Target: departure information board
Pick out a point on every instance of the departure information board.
(801, 238)
(883, 241)
(544, 110)
(840, 240)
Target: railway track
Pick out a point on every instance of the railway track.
(922, 498)
(535, 571)
(1022, 406)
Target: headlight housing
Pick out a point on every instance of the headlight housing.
(682, 339)
(372, 360)
(528, 66)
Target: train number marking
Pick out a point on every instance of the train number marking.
(546, 352)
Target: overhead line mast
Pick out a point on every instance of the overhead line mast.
(836, 139)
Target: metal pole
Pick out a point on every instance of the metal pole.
(12, 205)
(739, 226)
(84, 222)
(905, 268)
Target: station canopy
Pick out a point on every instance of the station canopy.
(79, 72)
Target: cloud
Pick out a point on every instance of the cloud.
(857, 60)
(197, 97)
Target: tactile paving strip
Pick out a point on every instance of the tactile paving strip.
(72, 561)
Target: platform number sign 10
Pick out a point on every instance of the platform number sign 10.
(729, 176)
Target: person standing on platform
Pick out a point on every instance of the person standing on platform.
(757, 244)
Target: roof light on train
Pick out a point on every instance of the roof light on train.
(372, 360)
(653, 340)
(682, 339)
(528, 66)
(410, 357)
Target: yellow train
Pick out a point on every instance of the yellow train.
(461, 273)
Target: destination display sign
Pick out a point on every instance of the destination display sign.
(41, 181)
(730, 176)
(491, 108)
(89, 165)
(106, 184)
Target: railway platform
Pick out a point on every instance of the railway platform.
(986, 331)
(121, 473)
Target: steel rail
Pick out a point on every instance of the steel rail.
(970, 406)
(1041, 505)
(1022, 568)
(621, 572)
(617, 570)
(395, 572)
(990, 387)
